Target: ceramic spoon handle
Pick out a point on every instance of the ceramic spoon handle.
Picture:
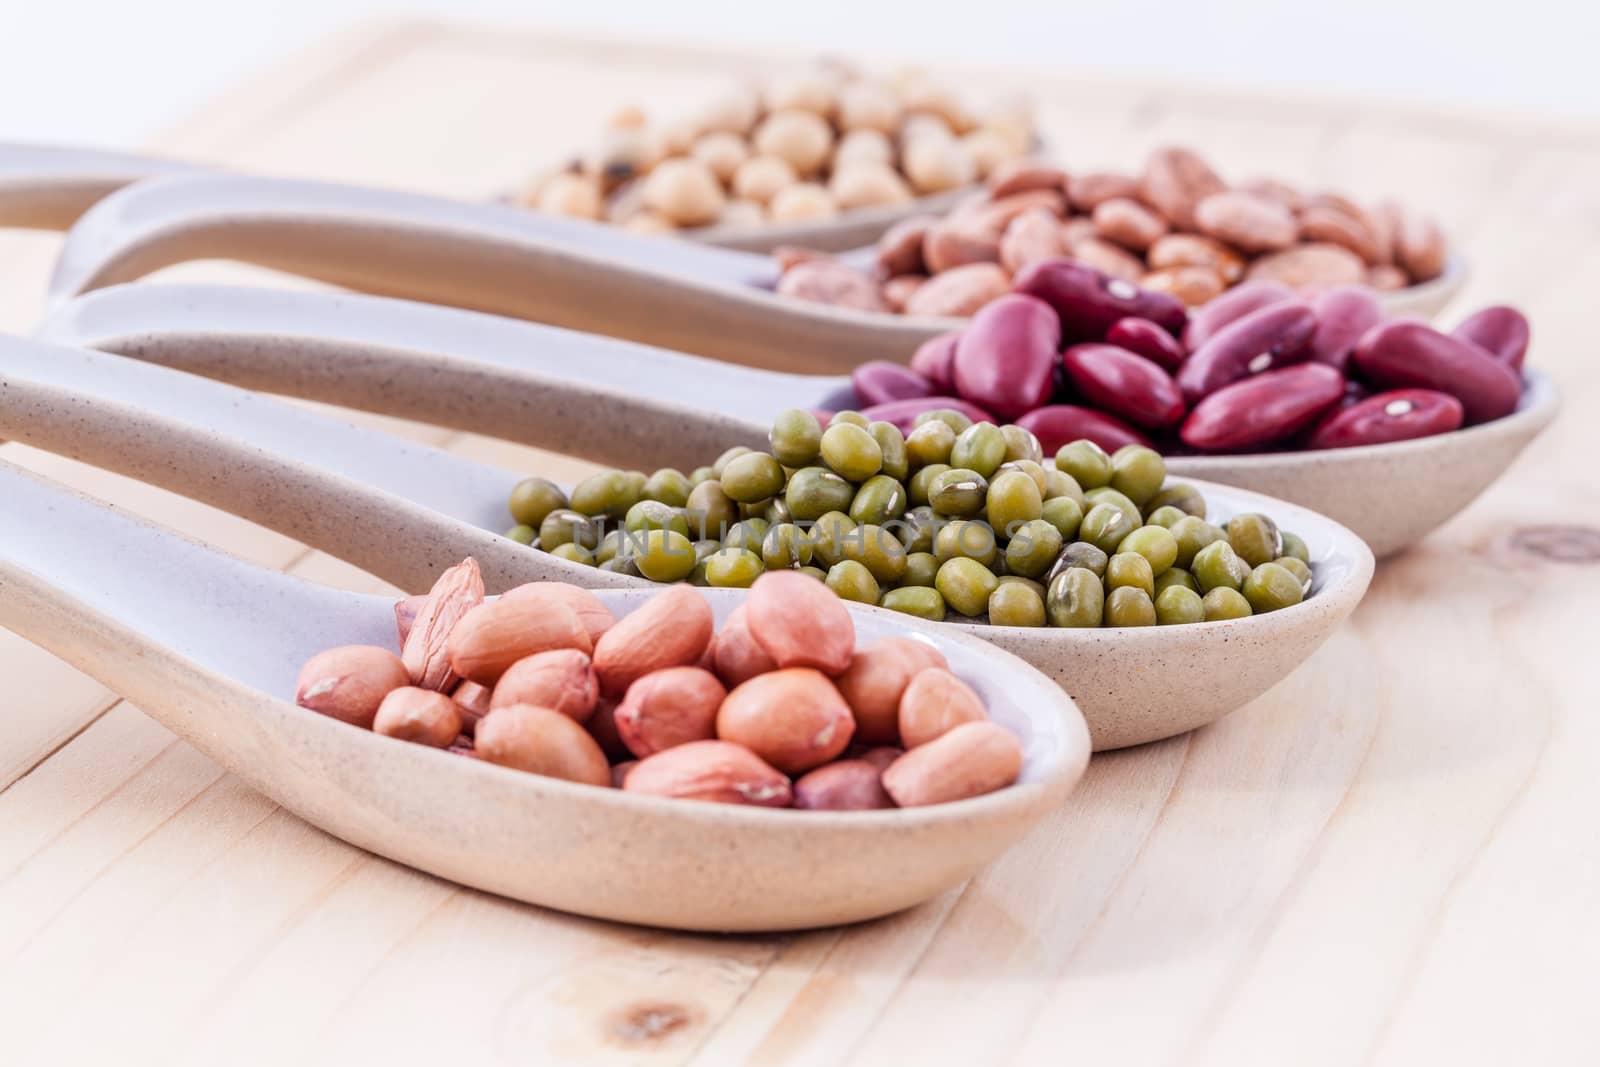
(586, 276)
(607, 400)
(47, 187)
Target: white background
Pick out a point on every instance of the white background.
(114, 72)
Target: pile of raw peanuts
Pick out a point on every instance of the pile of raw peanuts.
(779, 709)
(1073, 353)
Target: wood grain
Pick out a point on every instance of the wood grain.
(1389, 859)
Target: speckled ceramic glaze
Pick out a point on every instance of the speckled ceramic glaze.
(211, 646)
(634, 406)
(331, 485)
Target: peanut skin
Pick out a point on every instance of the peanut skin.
(877, 678)
(541, 741)
(349, 683)
(670, 630)
(670, 707)
(424, 716)
(800, 622)
(934, 703)
(498, 633)
(562, 680)
(794, 719)
(972, 759)
(846, 785)
(714, 771)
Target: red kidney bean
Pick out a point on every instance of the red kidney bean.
(1264, 409)
(1263, 340)
(880, 381)
(1234, 304)
(1144, 338)
(1400, 355)
(1006, 357)
(1500, 331)
(1344, 313)
(933, 358)
(1398, 415)
(1128, 386)
(903, 413)
(1061, 424)
(1089, 302)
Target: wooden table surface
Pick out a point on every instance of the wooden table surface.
(1392, 858)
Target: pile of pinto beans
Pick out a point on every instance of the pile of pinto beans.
(1073, 353)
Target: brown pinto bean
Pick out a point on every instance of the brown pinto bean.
(900, 247)
(1128, 223)
(1175, 180)
(1263, 340)
(933, 359)
(1033, 236)
(1338, 225)
(1088, 191)
(960, 292)
(1089, 302)
(1196, 250)
(1192, 285)
(1021, 175)
(1264, 409)
(1500, 331)
(1109, 259)
(1145, 338)
(1272, 189)
(1407, 354)
(1419, 247)
(897, 291)
(1005, 360)
(957, 244)
(1129, 386)
(1235, 304)
(1311, 265)
(1398, 415)
(880, 381)
(1343, 315)
(903, 413)
(1247, 222)
(1385, 278)
(827, 281)
(1060, 424)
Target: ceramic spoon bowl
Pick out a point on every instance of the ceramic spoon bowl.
(211, 647)
(405, 512)
(715, 302)
(632, 406)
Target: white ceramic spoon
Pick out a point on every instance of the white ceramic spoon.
(211, 646)
(404, 512)
(632, 406)
(713, 302)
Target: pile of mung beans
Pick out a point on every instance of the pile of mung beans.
(955, 518)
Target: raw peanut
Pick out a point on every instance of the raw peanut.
(1316, 265)
(562, 680)
(1175, 180)
(1006, 358)
(1231, 306)
(996, 215)
(877, 677)
(1500, 331)
(472, 700)
(799, 622)
(1059, 424)
(934, 703)
(903, 413)
(458, 590)
(1032, 236)
(595, 617)
(1265, 339)
(973, 759)
(900, 247)
(425, 716)
(715, 771)
(497, 633)
(934, 359)
(1128, 223)
(1108, 259)
(619, 772)
(827, 281)
(1196, 250)
(948, 245)
(848, 785)
(958, 293)
(541, 741)
(1248, 223)
(405, 615)
(1399, 415)
(348, 683)
(670, 707)
(1143, 337)
(1089, 302)
(1022, 175)
(602, 726)
(879, 382)
(881, 756)
(1089, 191)
(672, 629)
(897, 291)
(1193, 286)
(1128, 386)
(1419, 247)
(793, 718)
(1270, 189)
(1326, 222)
(1386, 278)
(1263, 409)
(1405, 354)
(1343, 313)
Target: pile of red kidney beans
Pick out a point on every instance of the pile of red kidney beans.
(1073, 353)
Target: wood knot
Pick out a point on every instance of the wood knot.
(650, 1022)
(1559, 544)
